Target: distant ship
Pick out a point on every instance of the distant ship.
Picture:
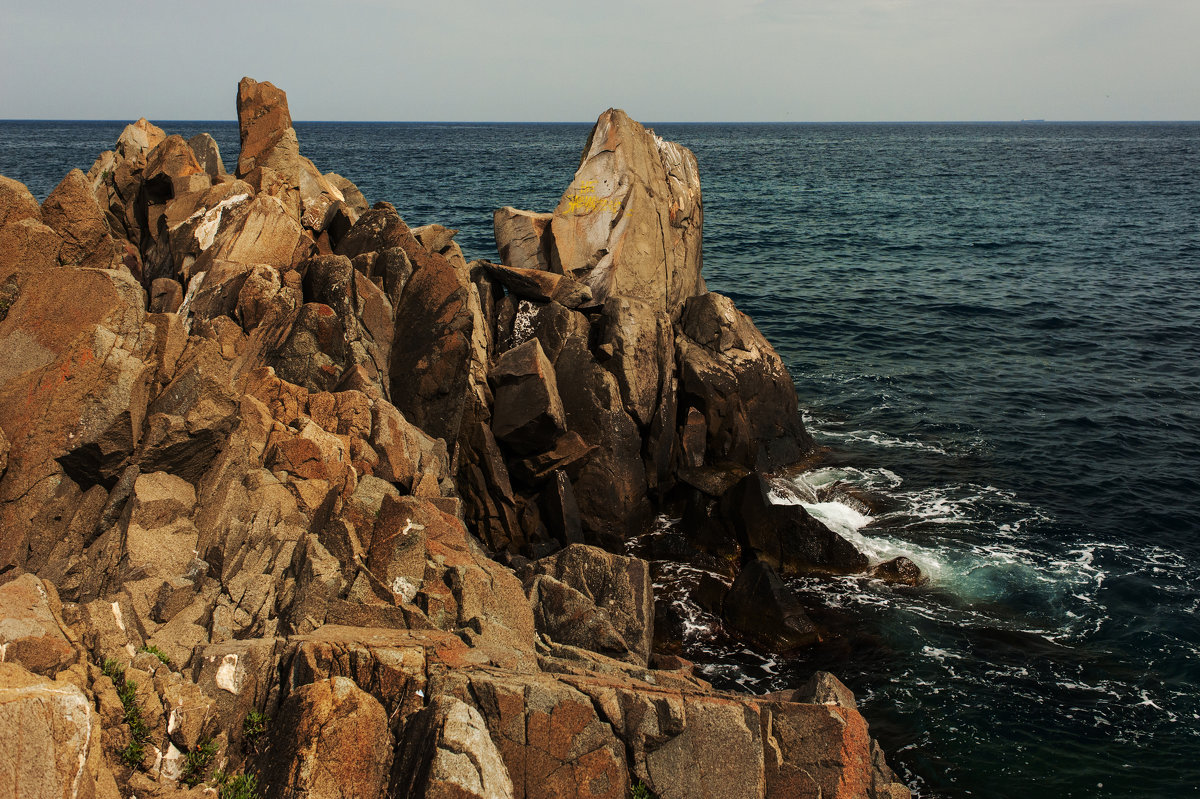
(1033, 120)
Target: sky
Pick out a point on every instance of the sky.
(665, 60)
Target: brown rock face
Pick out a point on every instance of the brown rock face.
(449, 754)
(528, 413)
(524, 238)
(31, 631)
(16, 203)
(332, 742)
(731, 373)
(265, 127)
(269, 143)
(630, 222)
(49, 737)
(617, 585)
(72, 212)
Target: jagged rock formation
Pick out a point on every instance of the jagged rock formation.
(291, 490)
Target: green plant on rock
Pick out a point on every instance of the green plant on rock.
(139, 733)
(253, 726)
(196, 763)
(158, 653)
(639, 790)
(243, 786)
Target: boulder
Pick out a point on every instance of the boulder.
(264, 233)
(269, 142)
(630, 222)
(618, 586)
(611, 486)
(762, 609)
(550, 736)
(71, 211)
(51, 743)
(330, 741)
(31, 627)
(16, 203)
(528, 414)
(541, 286)
(75, 365)
(718, 753)
(823, 750)
(448, 753)
(27, 247)
(729, 371)
(208, 155)
(898, 571)
(639, 342)
(523, 238)
(137, 140)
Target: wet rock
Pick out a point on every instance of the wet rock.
(898, 571)
(783, 536)
(523, 238)
(760, 607)
(330, 741)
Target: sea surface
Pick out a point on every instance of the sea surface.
(995, 329)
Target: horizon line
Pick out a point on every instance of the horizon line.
(1030, 121)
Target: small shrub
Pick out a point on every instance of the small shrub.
(133, 752)
(243, 786)
(196, 763)
(158, 653)
(253, 726)
(113, 671)
(639, 790)
(139, 733)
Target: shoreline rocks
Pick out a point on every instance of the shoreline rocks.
(276, 468)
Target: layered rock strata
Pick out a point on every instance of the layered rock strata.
(292, 493)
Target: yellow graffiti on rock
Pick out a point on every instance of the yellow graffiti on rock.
(585, 201)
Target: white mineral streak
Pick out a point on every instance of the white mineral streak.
(523, 324)
(185, 309)
(227, 674)
(206, 231)
(116, 609)
(404, 588)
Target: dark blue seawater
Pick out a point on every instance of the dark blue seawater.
(996, 328)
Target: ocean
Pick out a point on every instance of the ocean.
(994, 329)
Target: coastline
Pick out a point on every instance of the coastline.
(326, 407)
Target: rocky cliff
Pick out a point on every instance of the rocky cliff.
(295, 501)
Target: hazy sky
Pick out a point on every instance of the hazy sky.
(675, 60)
